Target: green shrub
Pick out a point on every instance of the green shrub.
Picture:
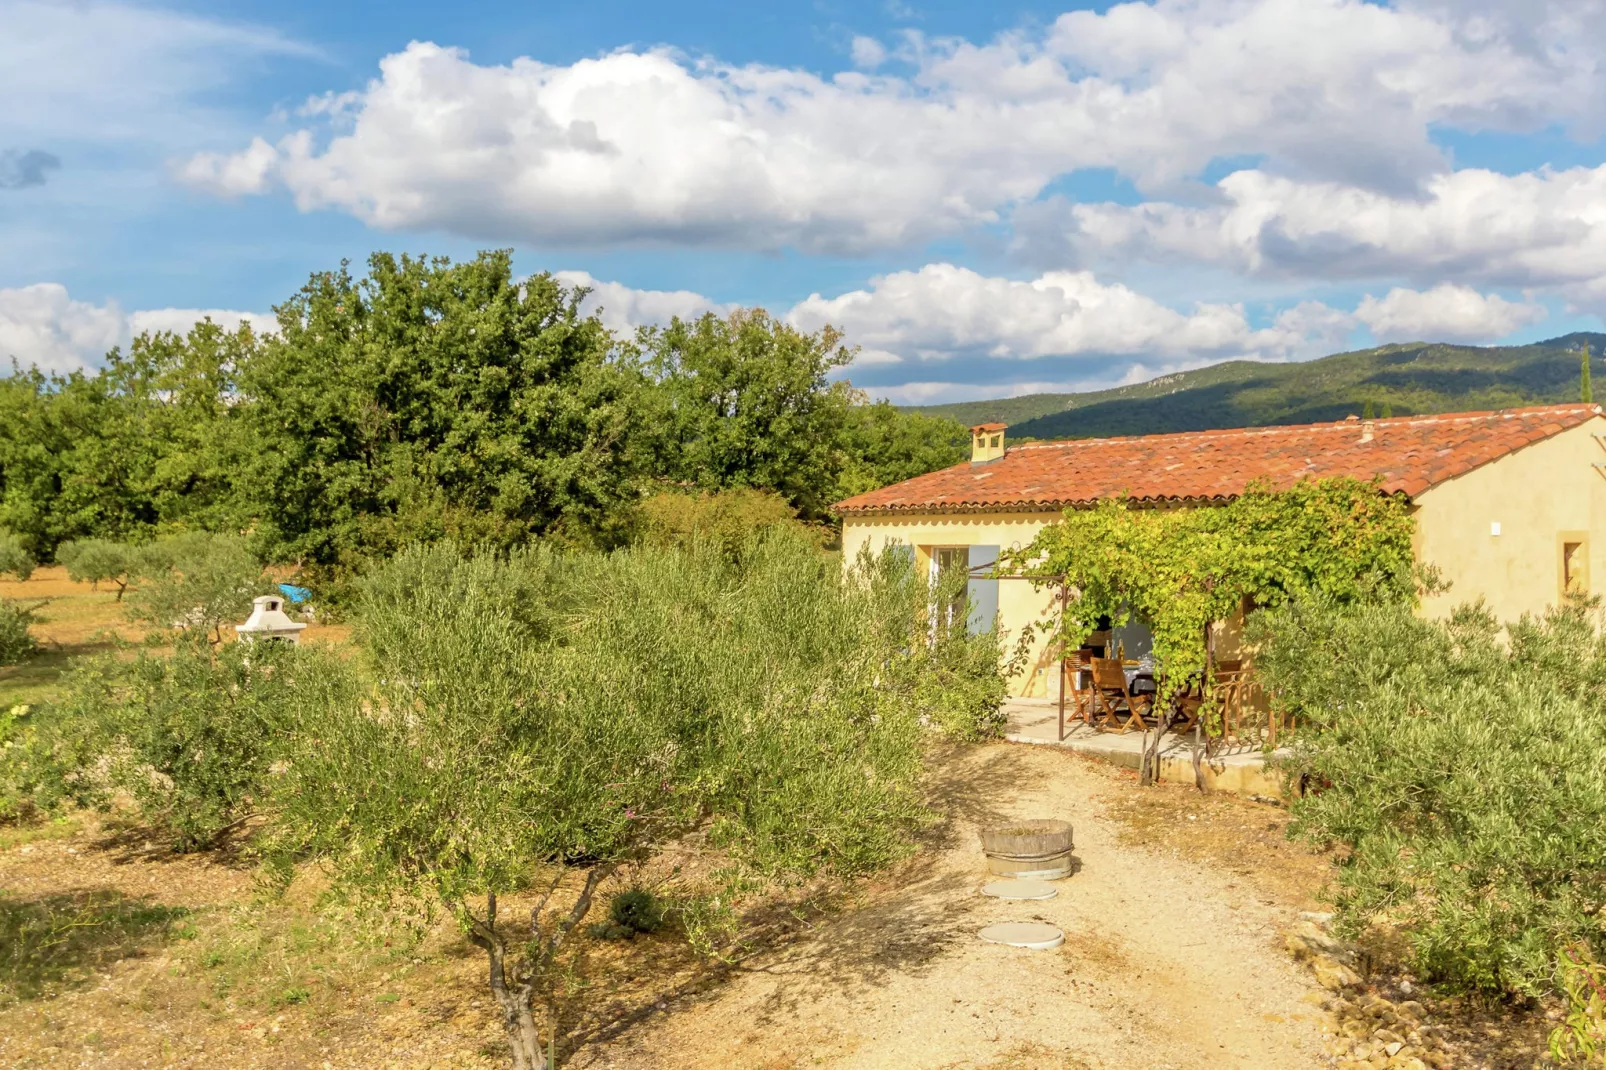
(730, 519)
(16, 642)
(14, 557)
(1463, 774)
(960, 683)
(636, 910)
(188, 737)
(17, 735)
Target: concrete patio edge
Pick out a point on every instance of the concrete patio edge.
(1241, 772)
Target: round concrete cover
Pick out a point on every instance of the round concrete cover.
(1020, 890)
(1030, 934)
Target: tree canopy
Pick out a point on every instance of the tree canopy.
(428, 399)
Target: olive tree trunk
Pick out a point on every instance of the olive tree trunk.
(518, 1020)
(513, 982)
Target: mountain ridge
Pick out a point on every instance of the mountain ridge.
(1411, 378)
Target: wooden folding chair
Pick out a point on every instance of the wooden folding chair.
(1110, 692)
(1079, 675)
(1229, 689)
(1188, 702)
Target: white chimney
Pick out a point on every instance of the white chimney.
(268, 621)
(986, 442)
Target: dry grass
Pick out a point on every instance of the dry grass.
(1228, 832)
(129, 956)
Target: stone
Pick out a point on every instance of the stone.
(1393, 1047)
(1034, 935)
(1334, 975)
(1315, 937)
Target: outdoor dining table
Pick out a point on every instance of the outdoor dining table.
(1138, 679)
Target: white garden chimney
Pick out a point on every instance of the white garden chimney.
(268, 621)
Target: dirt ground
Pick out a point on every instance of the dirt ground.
(1168, 961)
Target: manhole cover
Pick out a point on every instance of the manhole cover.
(1030, 934)
(1020, 890)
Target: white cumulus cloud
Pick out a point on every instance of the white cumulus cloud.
(1546, 228)
(943, 311)
(1445, 313)
(623, 309)
(43, 326)
(655, 146)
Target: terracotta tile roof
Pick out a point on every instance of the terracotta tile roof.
(1408, 454)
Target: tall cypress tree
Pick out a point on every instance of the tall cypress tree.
(1585, 394)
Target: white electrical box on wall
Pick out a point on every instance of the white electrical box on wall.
(1494, 527)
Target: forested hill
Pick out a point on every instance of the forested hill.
(1416, 377)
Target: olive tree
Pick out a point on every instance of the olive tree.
(14, 557)
(1459, 766)
(15, 641)
(185, 740)
(196, 582)
(527, 726)
(98, 561)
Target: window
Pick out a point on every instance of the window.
(948, 563)
(961, 574)
(1574, 564)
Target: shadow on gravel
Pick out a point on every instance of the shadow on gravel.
(52, 942)
(899, 925)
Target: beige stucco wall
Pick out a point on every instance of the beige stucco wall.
(1019, 603)
(1537, 495)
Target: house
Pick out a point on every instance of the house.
(1510, 506)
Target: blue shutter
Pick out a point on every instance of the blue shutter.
(982, 593)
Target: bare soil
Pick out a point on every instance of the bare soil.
(1169, 961)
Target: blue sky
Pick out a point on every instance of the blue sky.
(989, 199)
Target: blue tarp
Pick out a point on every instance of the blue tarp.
(297, 595)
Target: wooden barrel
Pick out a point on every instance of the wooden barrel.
(1039, 849)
